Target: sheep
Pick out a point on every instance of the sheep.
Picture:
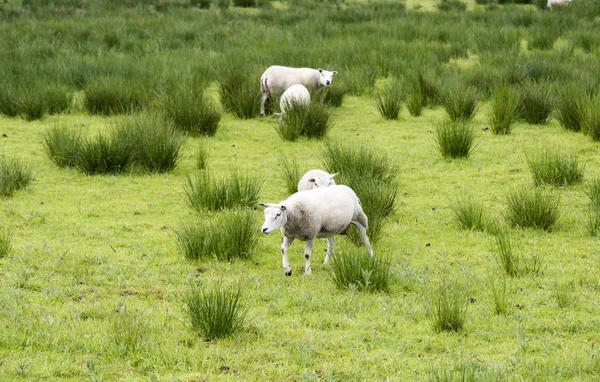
(318, 213)
(294, 95)
(276, 79)
(316, 178)
(557, 2)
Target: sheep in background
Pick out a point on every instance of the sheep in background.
(294, 95)
(557, 2)
(276, 79)
(319, 213)
(315, 179)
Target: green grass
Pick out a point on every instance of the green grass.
(202, 155)
(591, 118)
(357, 270)
(446, 303)
(104, 154)
(535, 208)
(389, 101)
(207, 194)
(191, 111)
(469, 213)
(499, 297)
(536, 102)
(455, 139)
(504, 110)
(553, 166)
(14, 175)
(62, 145)
(310, 121)
(5, 242)
(290, 172)
(570, 108)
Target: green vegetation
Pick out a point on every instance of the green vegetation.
(205, 194)
(310, 121)
(389, 101)
(468, 213)
(504, 110)
(552, 166)
(535, 208)
(355, 269)
(192, 112)
(446, 304)
(455, 139)
(14, 175)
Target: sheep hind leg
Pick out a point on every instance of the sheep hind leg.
(263, 101)
(307, 253)
(330, 247)
(362, 230)
(287, 241)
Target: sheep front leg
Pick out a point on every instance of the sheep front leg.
(330, 247)
(362, 230)
(287, 241)
(307, 252)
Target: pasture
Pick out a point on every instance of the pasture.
(93, 280)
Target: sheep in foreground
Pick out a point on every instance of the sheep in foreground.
(276, 79)
(315, 179)
(557, 2)
(318, 213)
(294, 95)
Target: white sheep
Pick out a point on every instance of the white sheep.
(318, 213)
(315, 179)
(557, 2)
(294, 95)
(276, 79)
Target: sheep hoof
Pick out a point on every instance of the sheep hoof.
(289, 273)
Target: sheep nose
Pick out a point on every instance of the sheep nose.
(265, 230)
(327, 83)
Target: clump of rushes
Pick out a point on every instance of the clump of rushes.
(191, 111)
(592, 191)
(504, 110)
(459, 101)
(62, 145)
(5, 241)
(104, 154)
(127, 332)
(207, 194)
(14, 175)
(114, 95)
(564, 294)
(226, 236)
(308, 120)
(591, 119)
(202, 156)
(332, 95)
(570, 109)
(551, 166)
(535, 208)
(446, 305)
(290, 173)
(468, 213)
(499, 296)
(354, 269)
(389, 101)
(240, 94)
(536, 101)
(216, 312)
(414, 101)
(455, 139)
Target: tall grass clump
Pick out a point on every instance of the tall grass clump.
(332, 95)
(154, 143)
(191, 111)
(414, 101)
(14, 175)
(308, 120)
(207, 194)
(459, 101)
(469, 213)
(290, 172)
(535, 208)
(564, 294)
(591, 119)
(62, 145)
(224, 237)
(503, 110)
(112, 95)
(389, 101)
(202, 154)
(536, 101)
(507, 257)
(452, 5)
(592, 190)
(245, 3)
(240, 94)
(571, 108)
(499, 296)
(5, 242)
(446, 305)
(455, 139)
(104, 154)
(215, 312)
(127, 332)
(551, 166)
(354, 269)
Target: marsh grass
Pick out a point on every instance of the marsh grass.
(459, 101)
(154, 143)
(536, 208)
(414, 101)
(389, 101)
(592, 191)
(499, 296)
(202, 155)
(191, 111)
(503, 110)
(311, 121)
(128, 331)
(113, 95)
(14, 175)
(62, 145)
(564, 294)
(5, 241)
(104, 154)
(511, 259)
(207, 194)
(536, 101)
(551, 166)
(446, 304)
(452, 5)
(455, 139)
(356, 270)
(290, 172)
(591, 119)
(215, 312)
(570, 109)
(240, 94)
(226, 236)
(332, 95)
(469, 213)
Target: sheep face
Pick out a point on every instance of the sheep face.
(275, 217)
(326, 77)
(323, 181)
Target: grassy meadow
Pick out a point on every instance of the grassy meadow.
(95, 280)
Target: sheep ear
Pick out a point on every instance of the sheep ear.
(334, 72)
(264, 204)
(311, 180)
(320, 70)
(282, 208)
(333, 175)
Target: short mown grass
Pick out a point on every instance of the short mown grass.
(14, 175)
(354, 269)
(556, 167)
(204, 193)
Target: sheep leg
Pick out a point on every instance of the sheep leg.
(263, 101)
(330, 247)
(307, 252)
(362, 230)
(287, 241)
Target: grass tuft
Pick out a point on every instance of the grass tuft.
(570, 109)
(5, 241)
(550, 166)
(535, 208)
(191, 111)
(300, 119)
(455, 139)
(14, 176)
(469, 213)
(504, 110)
(591, 118)
(389, 101)
(290, 173)
(240, 94)
(499, 297)
(355, 270)
(127, 332)
(62, 145)
(459, 101)
(446, 304)
(104, 154)
(564, 294)
(206, 194)
(202, 156)
(536, 102)
(214, 313)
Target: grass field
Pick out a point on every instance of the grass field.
(93, 287)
